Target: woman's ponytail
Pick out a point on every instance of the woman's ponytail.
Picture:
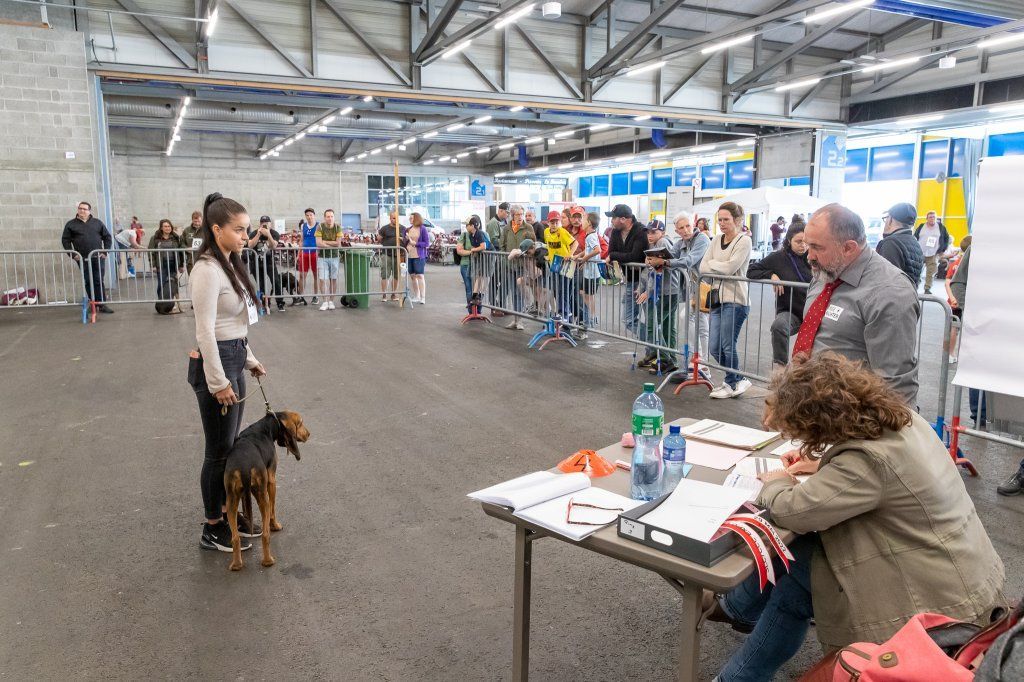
(218, 210)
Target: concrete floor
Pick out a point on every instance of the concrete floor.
(386, 571)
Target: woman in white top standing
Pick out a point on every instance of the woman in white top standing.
(223, 298)
(728, 254)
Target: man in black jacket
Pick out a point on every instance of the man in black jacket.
(84, 234)
(627, 245)
(899, 246)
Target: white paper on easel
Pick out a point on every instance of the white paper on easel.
(991, 353)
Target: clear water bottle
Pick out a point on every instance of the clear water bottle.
(673, 452)
(648, 416)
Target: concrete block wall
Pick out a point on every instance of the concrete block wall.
(45, 112)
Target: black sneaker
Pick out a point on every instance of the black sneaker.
(218, 538)
(1014, 485)
(105, 309)
(316, 299)
(247, 528)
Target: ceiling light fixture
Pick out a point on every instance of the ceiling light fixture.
(432, 133)
(288, 142)
(1002, 40)
(518, 107)
(211, 23)
(507, 145)
(483, 150)
(835, 11)
(637, 70)
(565, 133)
(321, 129)
(625, 159)
(703, 148)
(344, 112)
(462, 155)
(881, 66)
(300, 136)
(330, 119)
(658, 155)
(482, 119)
(401, 147)
(1007, 108)
(444, 158)
(362, 156)
(532, 140)
(409, 140)
(645, 117)
(565, 166)
(428, 162)
(368, 98)
(457, 126)
(391, 146)
(593, 162)
(543, 169)
(917, 120)
(797, 85)
(746, 143)
(350, 159)
(599, 126)
(457, 49)
(514, 17)
(726, 44)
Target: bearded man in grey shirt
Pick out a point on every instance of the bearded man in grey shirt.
(872, 314)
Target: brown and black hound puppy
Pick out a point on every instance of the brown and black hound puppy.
(251, 471)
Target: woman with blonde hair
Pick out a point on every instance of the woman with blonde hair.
(889, 530)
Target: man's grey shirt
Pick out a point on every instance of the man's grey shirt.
(872, 316)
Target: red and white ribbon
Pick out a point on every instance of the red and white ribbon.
(763, 560)
(770, 533)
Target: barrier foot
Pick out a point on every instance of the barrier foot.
(552, 331)
(954, 447)
(695, 378)
(475, 315)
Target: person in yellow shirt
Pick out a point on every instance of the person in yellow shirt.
(561, 246)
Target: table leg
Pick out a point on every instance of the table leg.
(689, 633)
(521, 618)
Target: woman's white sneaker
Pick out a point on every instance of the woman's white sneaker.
(741, 387)
(723, 391)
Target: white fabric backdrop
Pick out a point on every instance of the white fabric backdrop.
(992, 342)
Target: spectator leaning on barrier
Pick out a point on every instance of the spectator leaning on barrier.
(933, 238)
(306, 262)
(958, 294)
(512, 236)
(191, 239)
(263, 240)
(658, 293)
(728, 254)
(82, 235)
(687, 253)
(472, 266)
(898, 246)
(887, 529)
(859, 304)
(126, 240)
(497, 224)
(626, 246)
(328, 266)
(789, 264)
(527, 273)
(389, 257)
(166, 265)
(561, 247)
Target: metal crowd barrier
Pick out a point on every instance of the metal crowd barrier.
(39, 279)
(673, 325)
(162, 275)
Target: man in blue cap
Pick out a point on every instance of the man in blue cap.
(899, 246)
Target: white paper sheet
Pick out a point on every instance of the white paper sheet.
(713, 456)
(733, 435)
(991, 353)
(551, 514)
(532, 489)
(696, 509)
(752, 466)
(742, 482)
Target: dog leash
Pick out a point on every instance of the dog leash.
(266, 402)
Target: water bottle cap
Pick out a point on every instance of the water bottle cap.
(648, 388)
(673, 429)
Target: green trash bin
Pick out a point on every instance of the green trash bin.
(357, 275)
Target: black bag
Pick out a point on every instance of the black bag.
(164, 307)
(715, 298)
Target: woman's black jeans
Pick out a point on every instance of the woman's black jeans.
(220, 429)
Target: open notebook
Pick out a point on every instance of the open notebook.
(731, 435)
(544, 498)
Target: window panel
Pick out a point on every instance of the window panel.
(857, 165)
(713, 176)
(620, 184)
(661, 180)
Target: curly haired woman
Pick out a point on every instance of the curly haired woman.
(888, 530)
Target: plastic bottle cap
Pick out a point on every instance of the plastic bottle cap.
(673, 429)
(648, 388)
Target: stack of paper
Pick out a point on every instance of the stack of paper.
(731, 435)
(713, 456)
(696, 509)
(543, 499)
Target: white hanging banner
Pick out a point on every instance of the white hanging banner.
(991, 351)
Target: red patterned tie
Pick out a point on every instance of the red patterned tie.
(812, 321)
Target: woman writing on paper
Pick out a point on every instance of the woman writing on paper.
(889, 530)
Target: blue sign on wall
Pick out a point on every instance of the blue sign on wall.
(477, 189)
(833, 151)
